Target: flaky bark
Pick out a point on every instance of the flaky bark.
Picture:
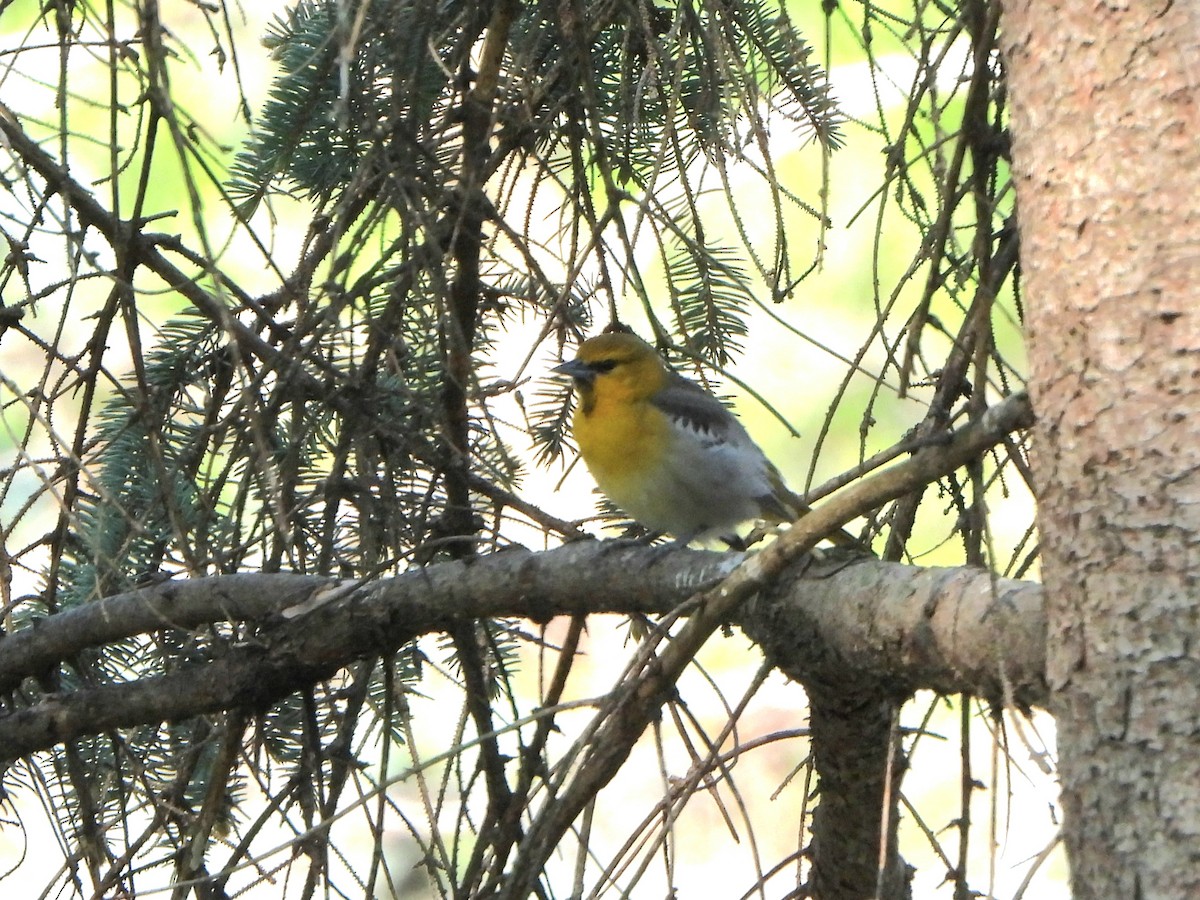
(1105, 120)
(952, 630)
(844, 642)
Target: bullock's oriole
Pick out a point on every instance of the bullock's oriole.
(664, 449)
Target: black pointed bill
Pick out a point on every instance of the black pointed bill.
(576, 369)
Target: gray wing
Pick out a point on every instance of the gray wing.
(738, 472)
(692, 407)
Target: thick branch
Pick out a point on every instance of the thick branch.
(311, 627)
(953, 631)
(622, 577)
(940, 629)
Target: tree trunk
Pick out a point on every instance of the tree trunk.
(1105, 125)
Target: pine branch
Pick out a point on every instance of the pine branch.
(948, 630)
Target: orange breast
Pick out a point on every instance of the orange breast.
(624, 445)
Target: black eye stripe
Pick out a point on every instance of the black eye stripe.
(603, 365)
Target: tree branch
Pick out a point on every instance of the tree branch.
(950, 630)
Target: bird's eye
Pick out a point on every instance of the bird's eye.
(604, 365)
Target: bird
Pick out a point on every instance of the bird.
(666, 451)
